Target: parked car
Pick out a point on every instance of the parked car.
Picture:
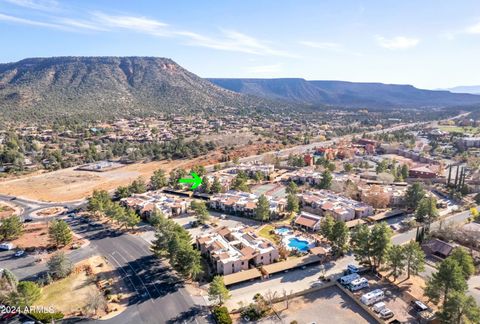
(378, 307)
(6, 246)
(386, 313)
(352, 269)
(345, 280)
(6, 316)
(418, 306)
(19, 253)
(193, 224)
(223, 216)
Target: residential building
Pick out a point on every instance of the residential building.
(341, 208)
(244, 203)
(308, 221)
(252, 168)
(237, 249)
(146, 203)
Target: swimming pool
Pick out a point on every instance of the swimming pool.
(301, 245)
(282, 230)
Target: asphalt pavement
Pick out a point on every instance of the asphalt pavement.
(158, 295)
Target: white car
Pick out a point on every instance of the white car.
(223, 216)
(386, 313)
(378, 307)
(6, 246)
(19, 253)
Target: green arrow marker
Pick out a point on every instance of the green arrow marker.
(196, 180)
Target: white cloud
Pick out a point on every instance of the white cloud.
(134, 23)
(233, 41)
(321, 45)
(474, 29)
(226, 40)
(46, 5)
(82, 24)
(265, 69)
(30, 22)
(398, 42)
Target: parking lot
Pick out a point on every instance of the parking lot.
(393, 299)
(326, 305)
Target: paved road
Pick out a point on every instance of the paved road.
(158, 295)
(29, 206)
(411, 234)
(25, 267)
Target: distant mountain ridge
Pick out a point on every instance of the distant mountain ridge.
(346, 94)
(474, 89)
(111, 87)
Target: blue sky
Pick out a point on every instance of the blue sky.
(427, 43)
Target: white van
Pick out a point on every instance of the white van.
(358, 284)
(6, 246)
(377, 308)
(345, 280)
(372, 297)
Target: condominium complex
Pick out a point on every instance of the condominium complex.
(146, 203)
(323, 201)
(244, 203)
(236, 249)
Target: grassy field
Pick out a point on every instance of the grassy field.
(68, 295)
(460, 129)
(265, 232)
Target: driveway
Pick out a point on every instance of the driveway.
(329, 305)
(292, 281)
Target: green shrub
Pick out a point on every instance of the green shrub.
(221, 315)
(253, 313)
(46, 317)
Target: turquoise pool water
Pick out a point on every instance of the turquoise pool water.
(298, 244)
(282, 230)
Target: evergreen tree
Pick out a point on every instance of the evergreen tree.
(339, 238)
(27, 293)
(201, 211)
(459, 309)
(465, 260)
(292, 203)
(122, 192)
(427, 210)
(216, 186)
(158, 180)
(448, 279)
(292, 188)
(396, 261)
(414, 194)
(138, 186)
(326, 181)
(404, 171)
(59, 266)
(218, 290)
(59, 232)
(10, 228)
(262, 212)
(414, 258)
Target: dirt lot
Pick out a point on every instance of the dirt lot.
(35, 235)
(6, 210)
(70, 184)
(79, 287)
(329, 305)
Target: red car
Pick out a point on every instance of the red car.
(6, 316)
